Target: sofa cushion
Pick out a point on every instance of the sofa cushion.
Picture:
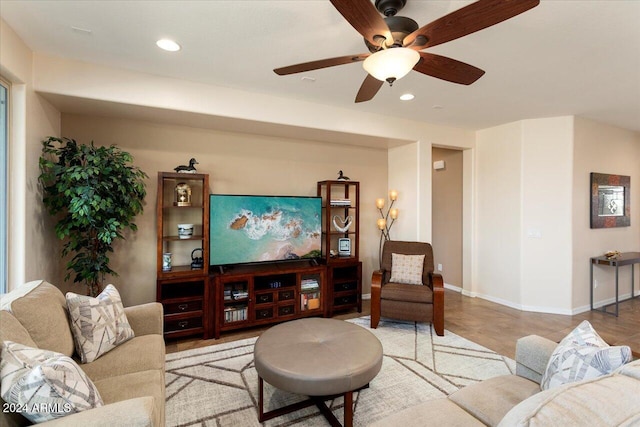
(142, 353)
(46, 385)
(436, 412)
(99, 324)
(490, 400)
(631, 369)
(49, 329)
(12, 330)
(137, 384)
(401, 292)
(407, 269)
(610, 400)
(581, 355)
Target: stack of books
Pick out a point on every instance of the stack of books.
(309, 285)
(340, 202)
(235, 314)
(240, 294)
(309, 294)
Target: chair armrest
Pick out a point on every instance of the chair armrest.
(138, 412)
(376, 285)
(436, 281)
(437, 286)
(376, 294)
(145, 319)
(532, 355)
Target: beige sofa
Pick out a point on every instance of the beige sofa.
(516, 400)
(129, 378)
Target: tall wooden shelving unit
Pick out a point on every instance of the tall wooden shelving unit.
(184, 290)
(341, 200)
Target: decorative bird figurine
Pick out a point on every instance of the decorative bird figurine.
(341, 177)
(187, 169)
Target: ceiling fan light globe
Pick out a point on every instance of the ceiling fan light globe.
(393, 63)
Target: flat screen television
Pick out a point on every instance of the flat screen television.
(252, 229)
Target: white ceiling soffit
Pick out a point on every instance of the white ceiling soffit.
(560, 58)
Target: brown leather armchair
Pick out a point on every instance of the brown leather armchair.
(419, 303)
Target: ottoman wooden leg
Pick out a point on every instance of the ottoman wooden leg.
(264, 416)
(348, 409)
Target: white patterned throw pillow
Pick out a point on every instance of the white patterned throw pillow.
(581, 355)
(98, 324)
(44, 385)
(406, 269)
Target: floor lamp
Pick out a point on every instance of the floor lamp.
(383, 222)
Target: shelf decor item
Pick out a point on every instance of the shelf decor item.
(166, 261)
(183, 195)
(383, 222)
(342, 225)
(187, 169)
(94, 192)
(185, 231)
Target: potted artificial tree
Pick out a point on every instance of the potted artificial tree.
(95, 193)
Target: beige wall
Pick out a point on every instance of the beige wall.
(404, 179)
(547, 149)
(237, 164)
(33, 250)
(447, 215)
(498, 214)
(604, 149)
(533, 240)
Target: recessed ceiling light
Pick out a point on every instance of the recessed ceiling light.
(407, 96)
(437, 107)
(168, 45)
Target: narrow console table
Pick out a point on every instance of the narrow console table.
(626, 258)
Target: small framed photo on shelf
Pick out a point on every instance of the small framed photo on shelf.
(344, 247)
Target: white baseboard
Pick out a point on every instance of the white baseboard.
(453, 288)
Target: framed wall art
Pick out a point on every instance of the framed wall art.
(610, 200)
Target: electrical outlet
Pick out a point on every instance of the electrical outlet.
(595, 283)
(439, 267)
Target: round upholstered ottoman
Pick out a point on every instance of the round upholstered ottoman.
(320, 358)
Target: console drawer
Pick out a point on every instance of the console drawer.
(265, 313)
(285, 295)
(171, 325)
(345, 286)
(264, 298)
(345, 300)
(286, 310)
(182, 307)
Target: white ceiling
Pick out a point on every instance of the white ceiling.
(564, 57)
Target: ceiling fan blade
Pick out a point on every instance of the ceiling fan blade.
(447, 69)
(467, 20)
(322, 63)
(363, 16)
(370, 86)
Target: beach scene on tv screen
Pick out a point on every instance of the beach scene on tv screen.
(248, 229)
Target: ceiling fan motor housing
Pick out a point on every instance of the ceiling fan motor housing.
(390, 7)
(400, 27)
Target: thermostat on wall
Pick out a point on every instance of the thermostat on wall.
(439, 164)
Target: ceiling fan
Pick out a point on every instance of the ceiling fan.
(395, 42)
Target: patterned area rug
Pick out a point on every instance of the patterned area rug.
(218, 385)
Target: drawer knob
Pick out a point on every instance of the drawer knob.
(183, 307)
(183, 324)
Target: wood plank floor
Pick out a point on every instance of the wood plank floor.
(493, 325)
